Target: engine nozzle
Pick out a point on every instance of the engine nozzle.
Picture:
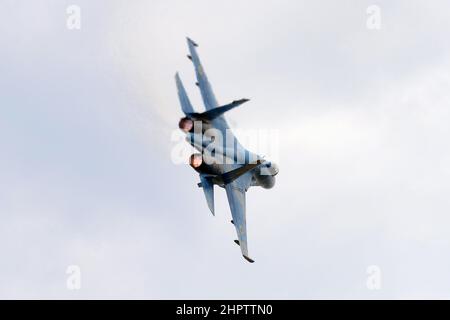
(196, 160)
(186, 124)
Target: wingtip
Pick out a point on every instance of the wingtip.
(211, 207)
(248, 259)
(192, 42)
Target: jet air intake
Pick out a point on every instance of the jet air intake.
(265, 177)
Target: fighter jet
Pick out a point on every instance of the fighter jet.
(221, 160)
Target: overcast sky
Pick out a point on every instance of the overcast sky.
(85, 137)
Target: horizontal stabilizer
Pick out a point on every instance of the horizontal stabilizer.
(217, 112)
(232, 175)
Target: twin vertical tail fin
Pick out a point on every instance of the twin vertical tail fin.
(209, 99)
(186, 105)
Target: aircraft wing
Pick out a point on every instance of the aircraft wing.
(236, 198)
(208, 189)
(205, 88)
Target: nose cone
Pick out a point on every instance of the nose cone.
(186, 124)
